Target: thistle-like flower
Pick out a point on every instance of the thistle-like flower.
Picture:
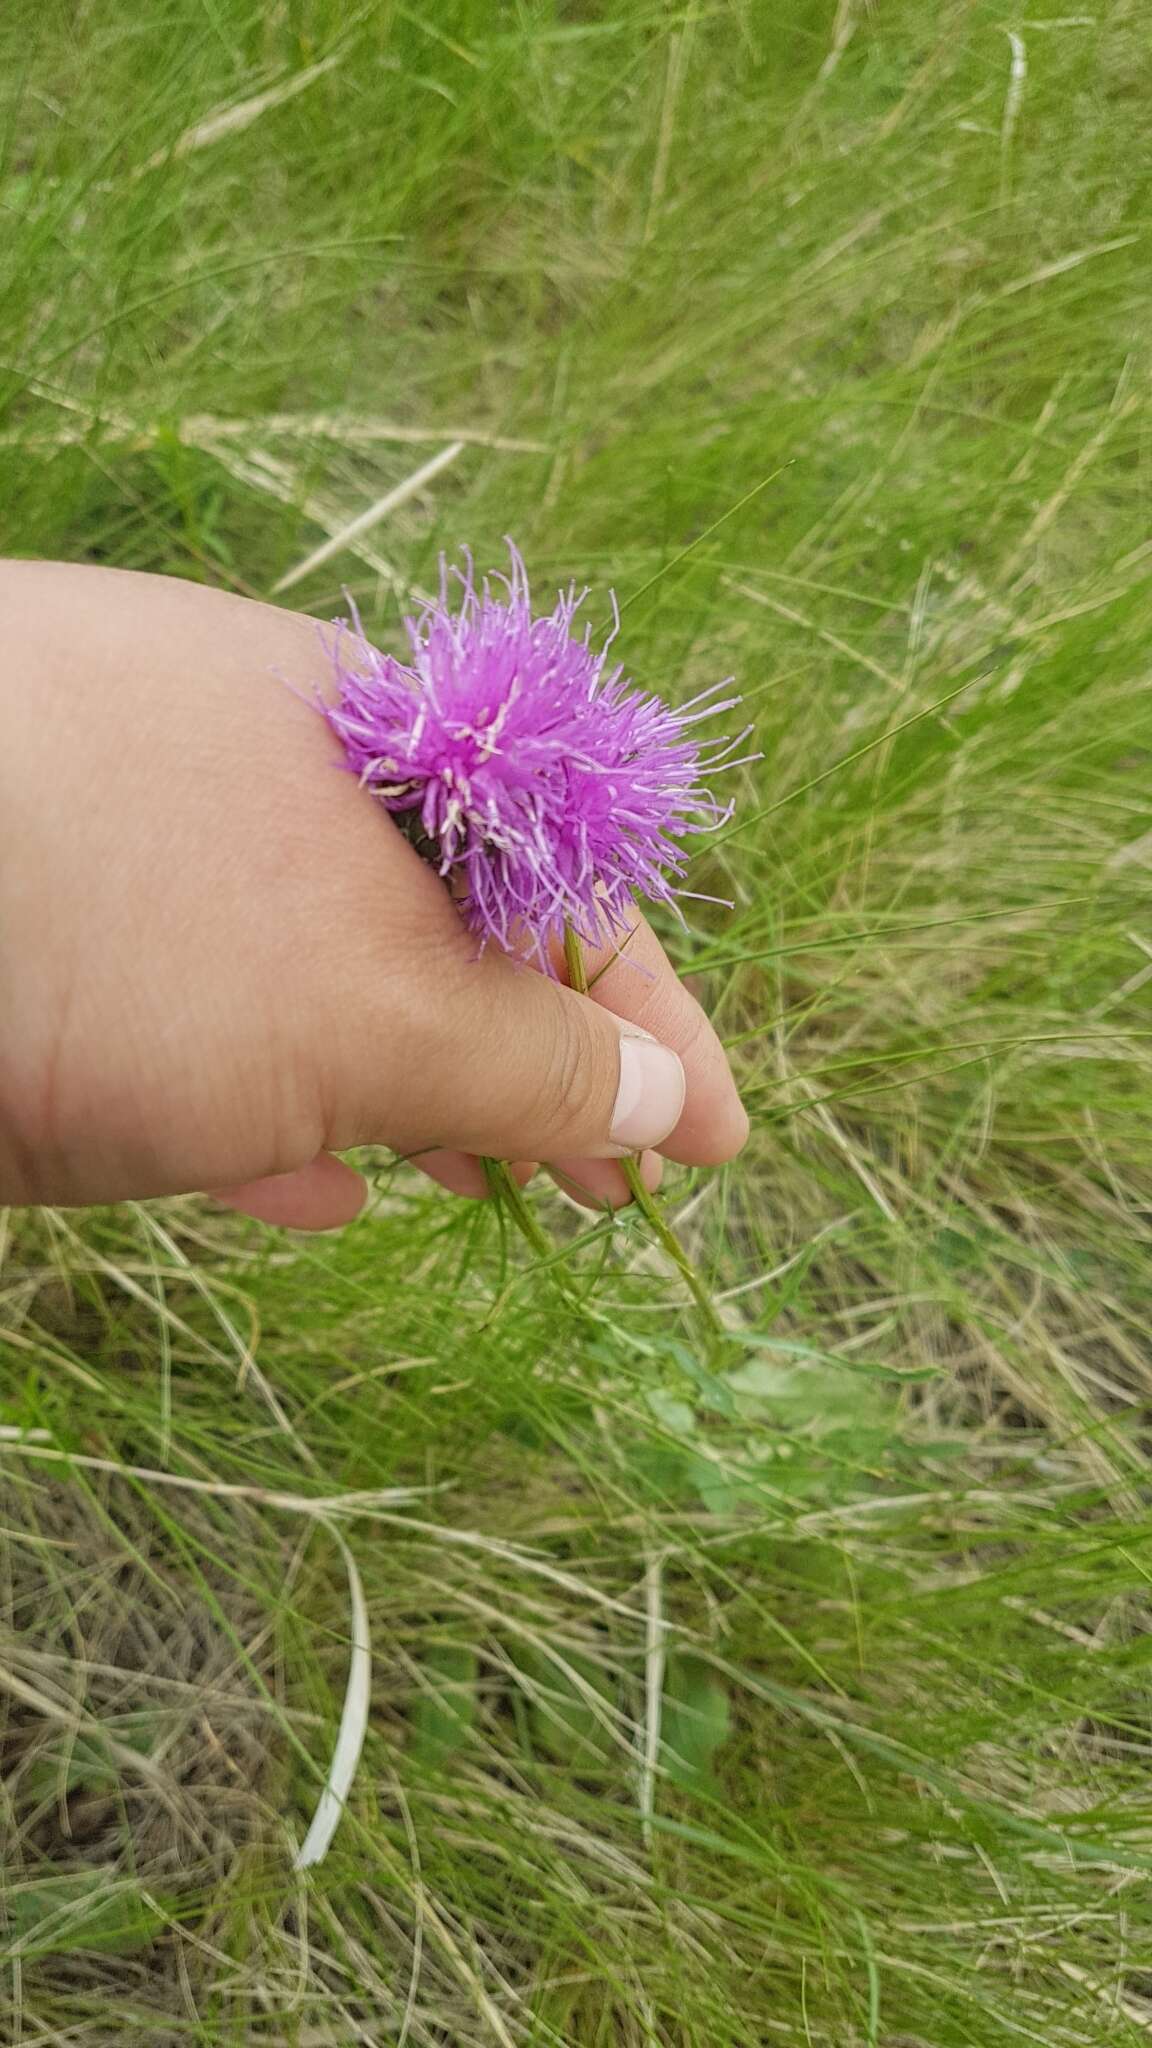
(540, 780)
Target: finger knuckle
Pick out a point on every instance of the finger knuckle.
(570, 1089)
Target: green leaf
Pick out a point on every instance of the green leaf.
(564, 1721)
(441, 1717)
(695, 1719)
(955, 1249)
(676, 1416)
(87, 1765)
(76, 1910)
(713, 1392)
(815, 1395)
(859, 1368)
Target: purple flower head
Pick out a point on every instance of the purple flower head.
(538, 777)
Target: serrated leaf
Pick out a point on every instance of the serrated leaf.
(442, 1715)
(695, 1719)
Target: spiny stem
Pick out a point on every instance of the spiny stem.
(507, 1190)
(645, 1201)
(652, 1213)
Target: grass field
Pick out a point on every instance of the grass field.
(806, 1702)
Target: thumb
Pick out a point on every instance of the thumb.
(525, 1069)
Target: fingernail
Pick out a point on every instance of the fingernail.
(650, 1096)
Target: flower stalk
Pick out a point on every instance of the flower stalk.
(643, 1197)
(506, 1189)
(543, 786)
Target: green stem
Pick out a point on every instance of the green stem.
(653, 1214)
(574, 961)
(645, 1201)
(511, 1196)
(507, 1190)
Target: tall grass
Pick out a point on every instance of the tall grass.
(806, 1703)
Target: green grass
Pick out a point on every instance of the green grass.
(808, 1703)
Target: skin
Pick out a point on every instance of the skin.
(220, 962)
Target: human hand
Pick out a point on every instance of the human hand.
(221, 963)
